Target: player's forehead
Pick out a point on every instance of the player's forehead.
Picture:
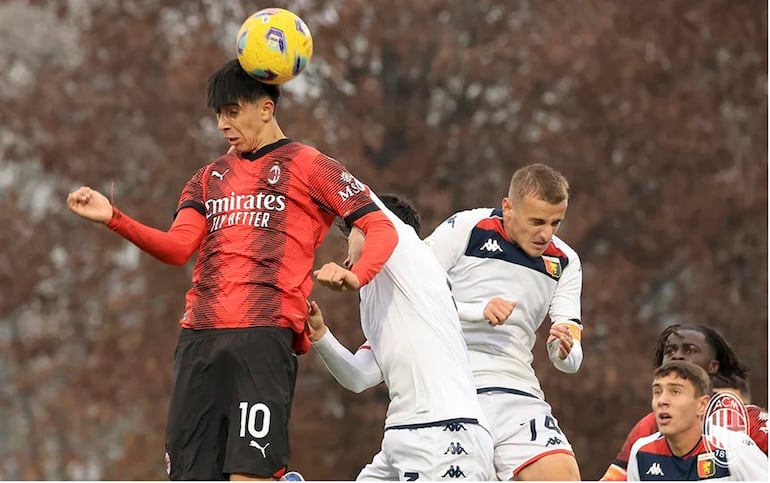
(670, 380)
(687, 336)
(532, 206)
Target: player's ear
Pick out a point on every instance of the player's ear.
(703, 403)
(507, 205)
(268, 109)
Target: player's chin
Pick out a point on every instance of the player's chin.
(536, 249)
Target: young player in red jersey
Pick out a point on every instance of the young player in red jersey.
(706, 348)
(255, 216)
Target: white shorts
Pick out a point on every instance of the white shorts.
(454, 451)
(523, 430)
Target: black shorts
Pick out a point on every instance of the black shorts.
(230, 403)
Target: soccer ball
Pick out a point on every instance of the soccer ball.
(274, 45)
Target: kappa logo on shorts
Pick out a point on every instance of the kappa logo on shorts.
(454, 427)
(454, 472)
(259, 447)
(553, 441)
(455, 448)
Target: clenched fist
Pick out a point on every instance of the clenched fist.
(90, 204)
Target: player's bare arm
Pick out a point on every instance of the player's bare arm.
(337, 278)
(498, 310)
(315, 321)
(90, 204)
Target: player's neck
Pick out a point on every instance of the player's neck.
(684, 442)
(270, 134)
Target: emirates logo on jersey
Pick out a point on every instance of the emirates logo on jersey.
(274, 175)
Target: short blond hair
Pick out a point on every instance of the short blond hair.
(541, 181)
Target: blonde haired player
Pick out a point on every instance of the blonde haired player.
(508, 272)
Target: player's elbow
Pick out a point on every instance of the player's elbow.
(175, 257)
(361, 383)
(174, 260)
(355, 386)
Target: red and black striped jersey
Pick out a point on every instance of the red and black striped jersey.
(266, 213)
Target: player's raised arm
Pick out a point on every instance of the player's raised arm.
(355, 372)
(173, 246)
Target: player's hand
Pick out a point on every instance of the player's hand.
(560, 336)
(337, 278)
(90, 204)
(315, 321)
(498, 310)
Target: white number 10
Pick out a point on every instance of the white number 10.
(249, 419)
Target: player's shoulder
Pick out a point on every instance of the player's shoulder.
(219, 164)
(652, 443)
(472, 217)
(561, 247)
(757, 412)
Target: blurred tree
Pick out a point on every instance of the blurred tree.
(655, 111)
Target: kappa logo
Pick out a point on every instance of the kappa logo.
(655, 470)
(274, 175)
(454, 472)
(553, 441)
(491, 246)
(259, 447)
(219, 175)
(454, 427)
(455, 448)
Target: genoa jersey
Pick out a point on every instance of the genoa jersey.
(646, 426)
(482, 263)
(651, 459)
(266, 213)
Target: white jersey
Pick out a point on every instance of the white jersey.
(411, 324)
(482, 264)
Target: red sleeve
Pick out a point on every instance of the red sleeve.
(617, 470)
(645, 427)
(381, 240)
(173, 246)
(758, 426)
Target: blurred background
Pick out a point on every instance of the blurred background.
(656, 112)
